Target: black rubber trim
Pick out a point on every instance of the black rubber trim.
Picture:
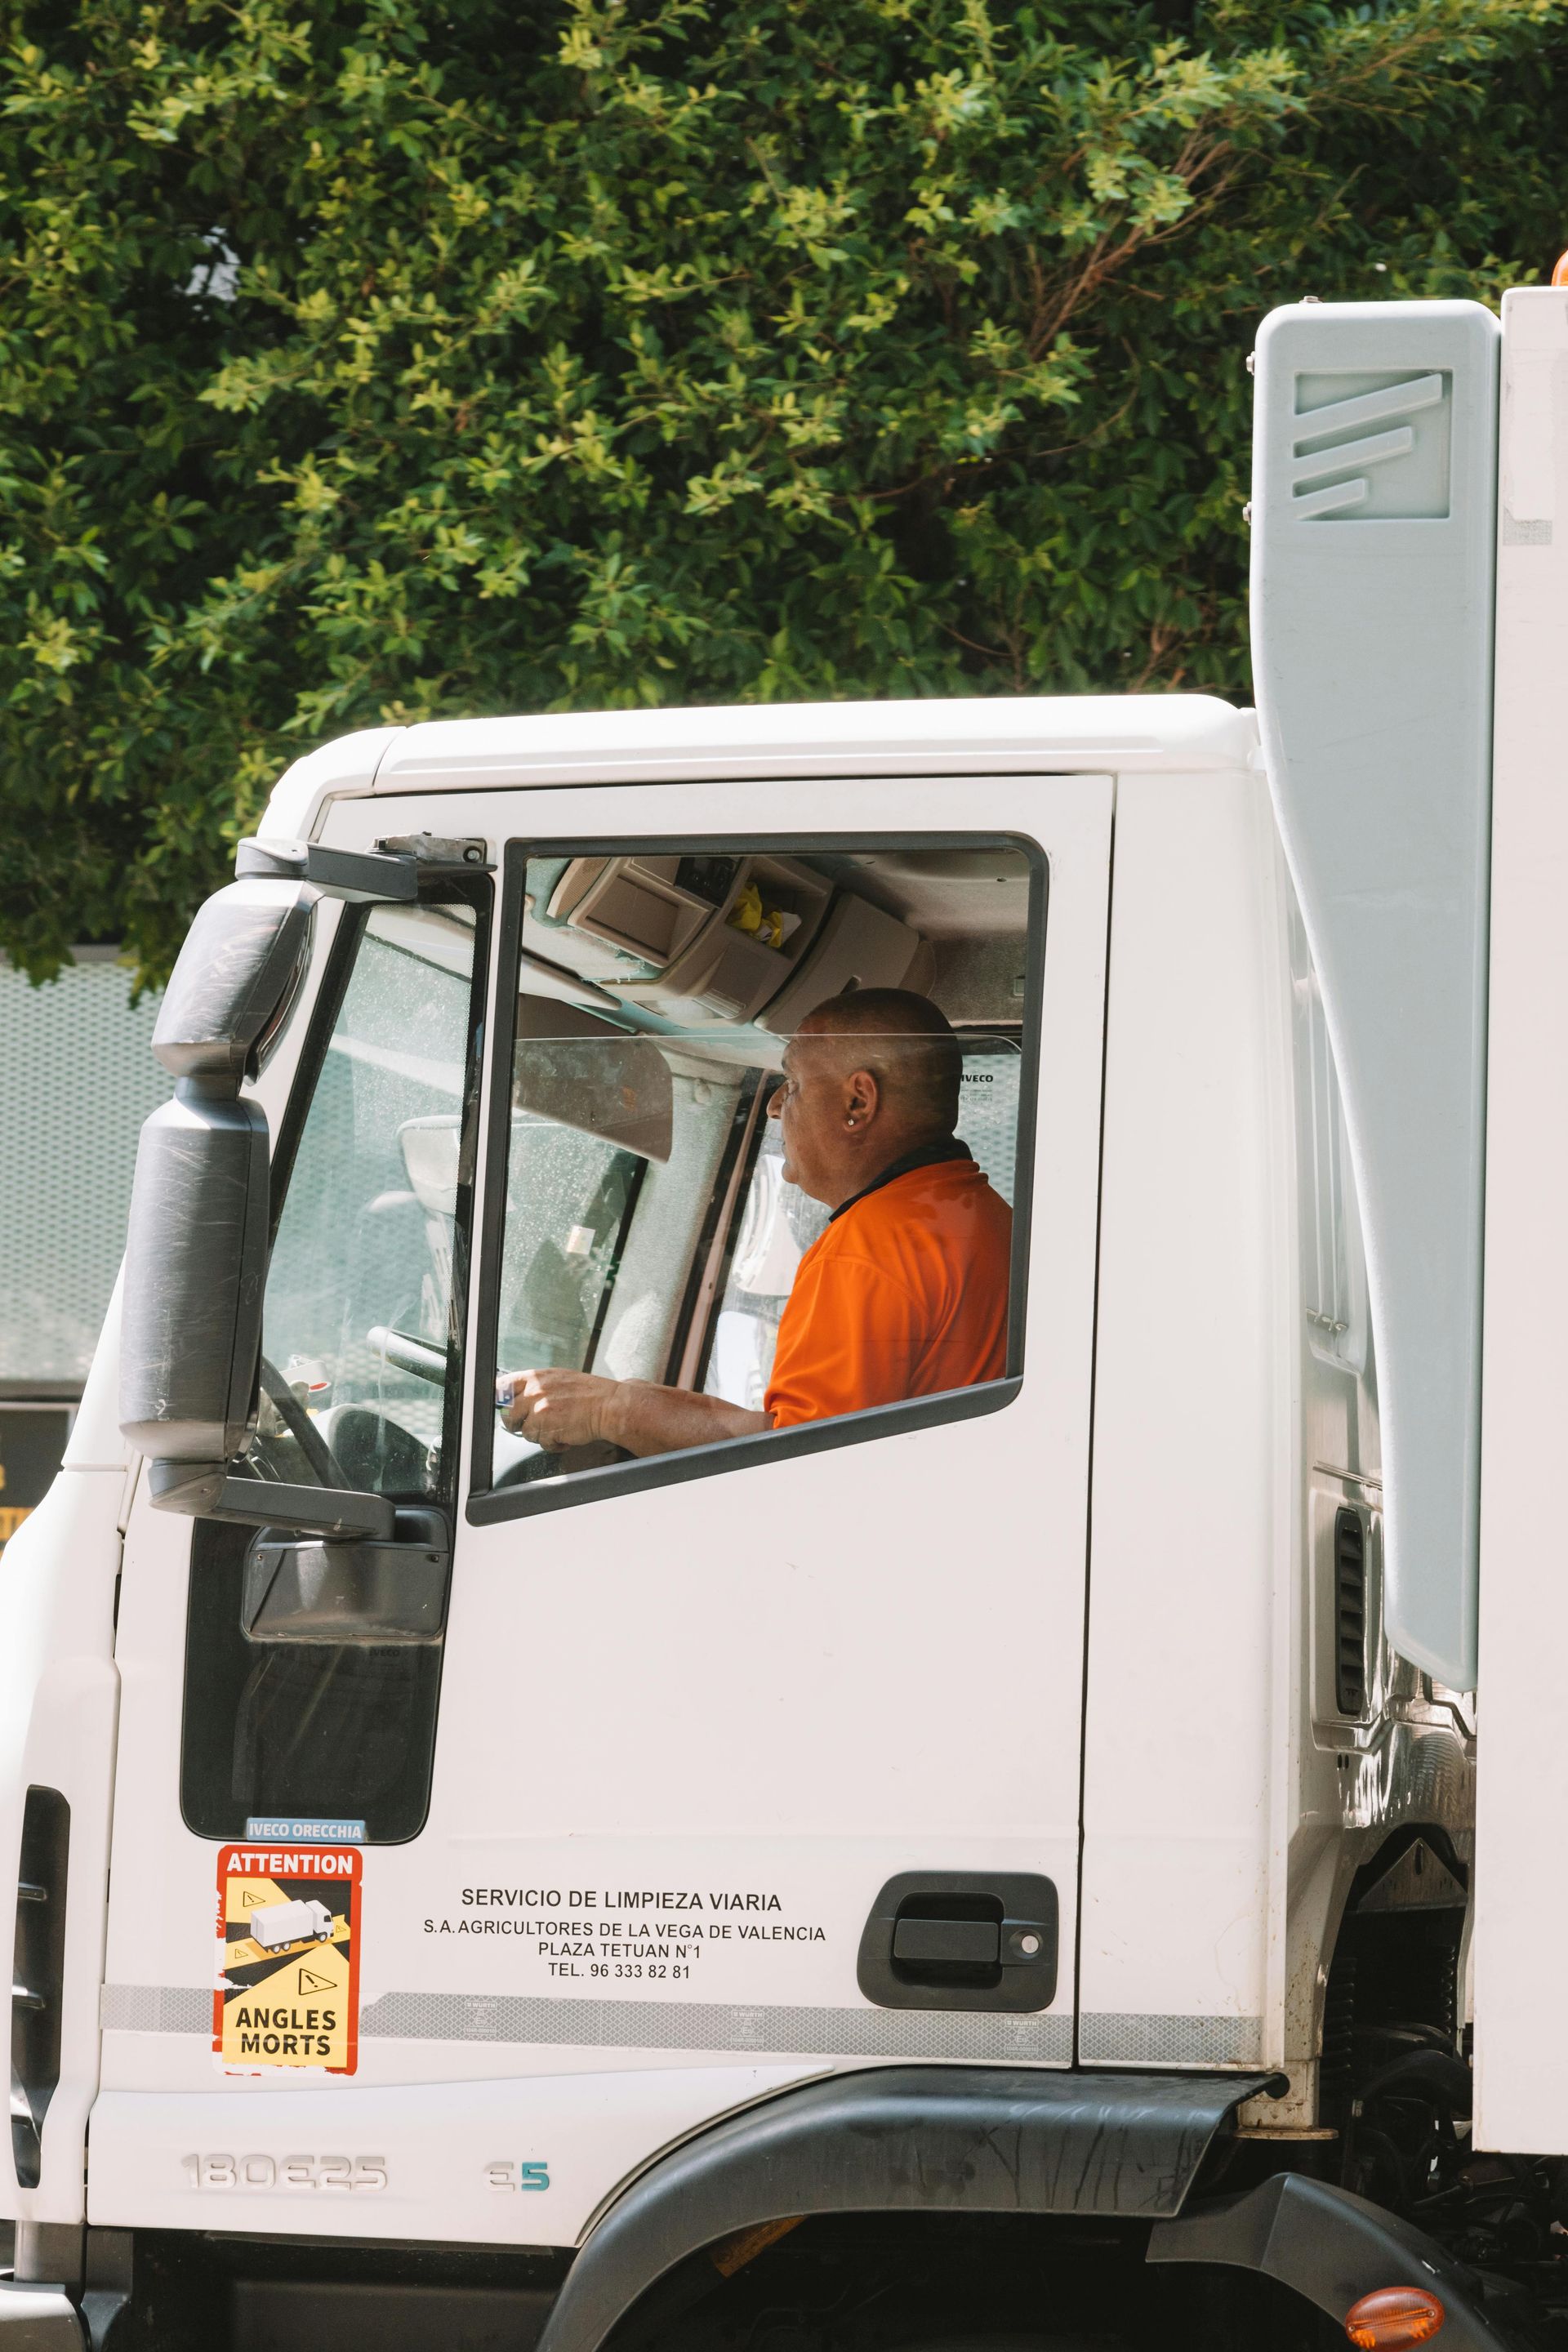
(952, 2139)
(37, 1975)
(1333, 2248)
(341, 956)
(490, 1223)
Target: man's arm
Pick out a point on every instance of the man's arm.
(555, 1409)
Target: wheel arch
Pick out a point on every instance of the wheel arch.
(911, 2139)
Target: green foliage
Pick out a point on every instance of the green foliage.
(387, 359)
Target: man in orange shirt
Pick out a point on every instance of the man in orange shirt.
(905, 1295)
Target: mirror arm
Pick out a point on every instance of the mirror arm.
(388, 875)
(211, 1490)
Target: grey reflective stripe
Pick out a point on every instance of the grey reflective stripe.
(716, 2026)
(156, 2008)
(641, 2025)
(1109, 2038)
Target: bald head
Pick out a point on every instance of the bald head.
(907, 1043)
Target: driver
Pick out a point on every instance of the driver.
(905, 1295)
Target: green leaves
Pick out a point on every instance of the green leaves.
(389, 360)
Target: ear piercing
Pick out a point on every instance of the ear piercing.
(850, 1120)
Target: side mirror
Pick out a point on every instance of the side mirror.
(195, 1264)
(367, 1570)
(195, 1250)
(197, 1243)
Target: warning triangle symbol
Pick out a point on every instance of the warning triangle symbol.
(250, 1901)
(310, 1982)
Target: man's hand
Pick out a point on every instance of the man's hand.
(556, 1408)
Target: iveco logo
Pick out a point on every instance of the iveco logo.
(1351, 460)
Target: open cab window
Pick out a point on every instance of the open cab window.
(705, 1239)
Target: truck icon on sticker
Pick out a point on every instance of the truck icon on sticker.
(274, 1924)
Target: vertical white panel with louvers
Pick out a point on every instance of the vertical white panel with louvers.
(1372, 507)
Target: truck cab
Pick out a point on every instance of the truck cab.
(992, 1856)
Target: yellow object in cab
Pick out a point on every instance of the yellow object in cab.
(763, 924)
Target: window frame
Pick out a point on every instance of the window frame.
(487, 1504)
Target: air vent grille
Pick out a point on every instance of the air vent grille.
(37, 1975)
(1350, 1612)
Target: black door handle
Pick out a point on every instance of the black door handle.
(964, 1943)
(961, 1939)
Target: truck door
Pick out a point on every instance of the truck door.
(710, 1721)
(765, 1747)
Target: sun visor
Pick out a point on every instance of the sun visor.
(577, 1070)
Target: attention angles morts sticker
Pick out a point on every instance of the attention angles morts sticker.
(287, 1993)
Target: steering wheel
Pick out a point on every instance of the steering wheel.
(426, 1362)
(381, 1454)
(328, 1471)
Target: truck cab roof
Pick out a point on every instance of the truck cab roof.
(977, 735)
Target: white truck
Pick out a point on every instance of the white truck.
(1002, 1868)
(277, 1923)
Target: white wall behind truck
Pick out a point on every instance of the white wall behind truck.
(77, 1079)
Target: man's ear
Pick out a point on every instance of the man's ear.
(862, 1096)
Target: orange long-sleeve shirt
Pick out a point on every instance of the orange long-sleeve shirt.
(904, 1295)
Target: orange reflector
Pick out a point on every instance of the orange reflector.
(732, 2254)
(1560, 275)
(1393, 2317)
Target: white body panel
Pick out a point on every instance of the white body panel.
(438, 2161)
(1522, 1919)
(58, 1702)
(1185, 1797)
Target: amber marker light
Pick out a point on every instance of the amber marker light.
(1560, 275)
(1393, 2317)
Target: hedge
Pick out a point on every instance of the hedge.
(391, 359)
